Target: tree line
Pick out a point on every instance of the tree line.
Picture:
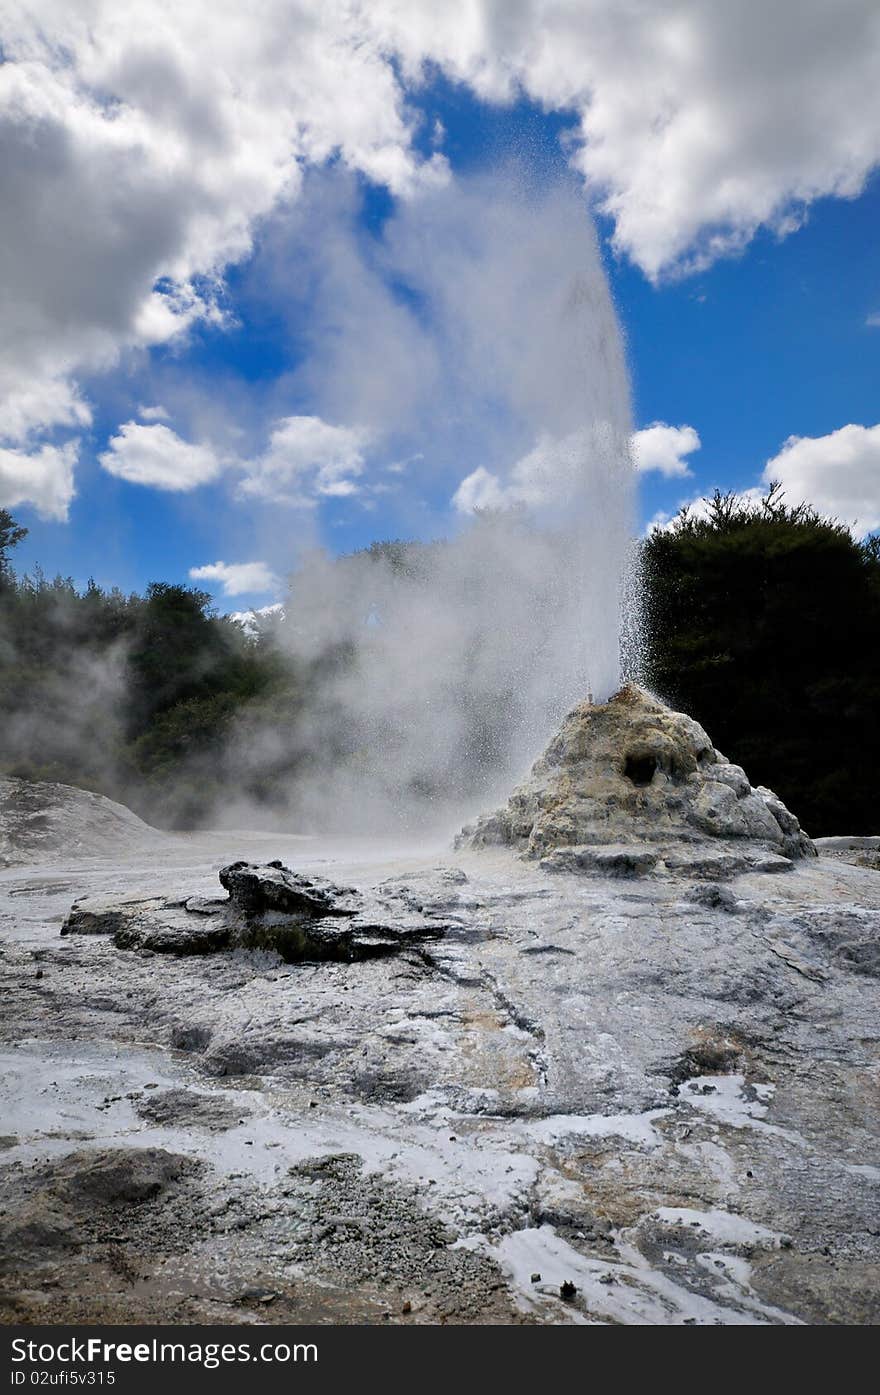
(762, 622)
(128, 695)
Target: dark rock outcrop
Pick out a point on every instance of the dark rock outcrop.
(269, 908)
(270, 886)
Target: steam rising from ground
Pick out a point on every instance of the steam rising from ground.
(443, 668)
(463, 375)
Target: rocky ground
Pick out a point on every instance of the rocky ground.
(544, 1097)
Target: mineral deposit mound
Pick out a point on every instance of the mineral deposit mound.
(46, 821)
(629, 787)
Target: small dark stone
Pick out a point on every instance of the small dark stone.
(185, 1038)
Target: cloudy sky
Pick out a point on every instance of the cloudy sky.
(291, 273)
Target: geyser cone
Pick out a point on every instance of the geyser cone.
(631, 774)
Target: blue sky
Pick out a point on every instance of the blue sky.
(770, 344)
(316, 294)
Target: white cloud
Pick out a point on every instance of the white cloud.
(157, 413)
(661, 522)
(143, 142)
(42, 478)
(839, 474)
(481, 489)
(699, 122)
(155, 455)
(141, 145)
(29, 402)
(558, 475)
(307, 458)
(663, 448)
(252, 621)
(873, 320)
(237, 578)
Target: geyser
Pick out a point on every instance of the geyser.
(629, 786)
(443, 668)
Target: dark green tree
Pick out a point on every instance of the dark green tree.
(764, 624)
(173, 652)
(11, 534)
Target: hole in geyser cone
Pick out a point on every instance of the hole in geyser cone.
(640, 769)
